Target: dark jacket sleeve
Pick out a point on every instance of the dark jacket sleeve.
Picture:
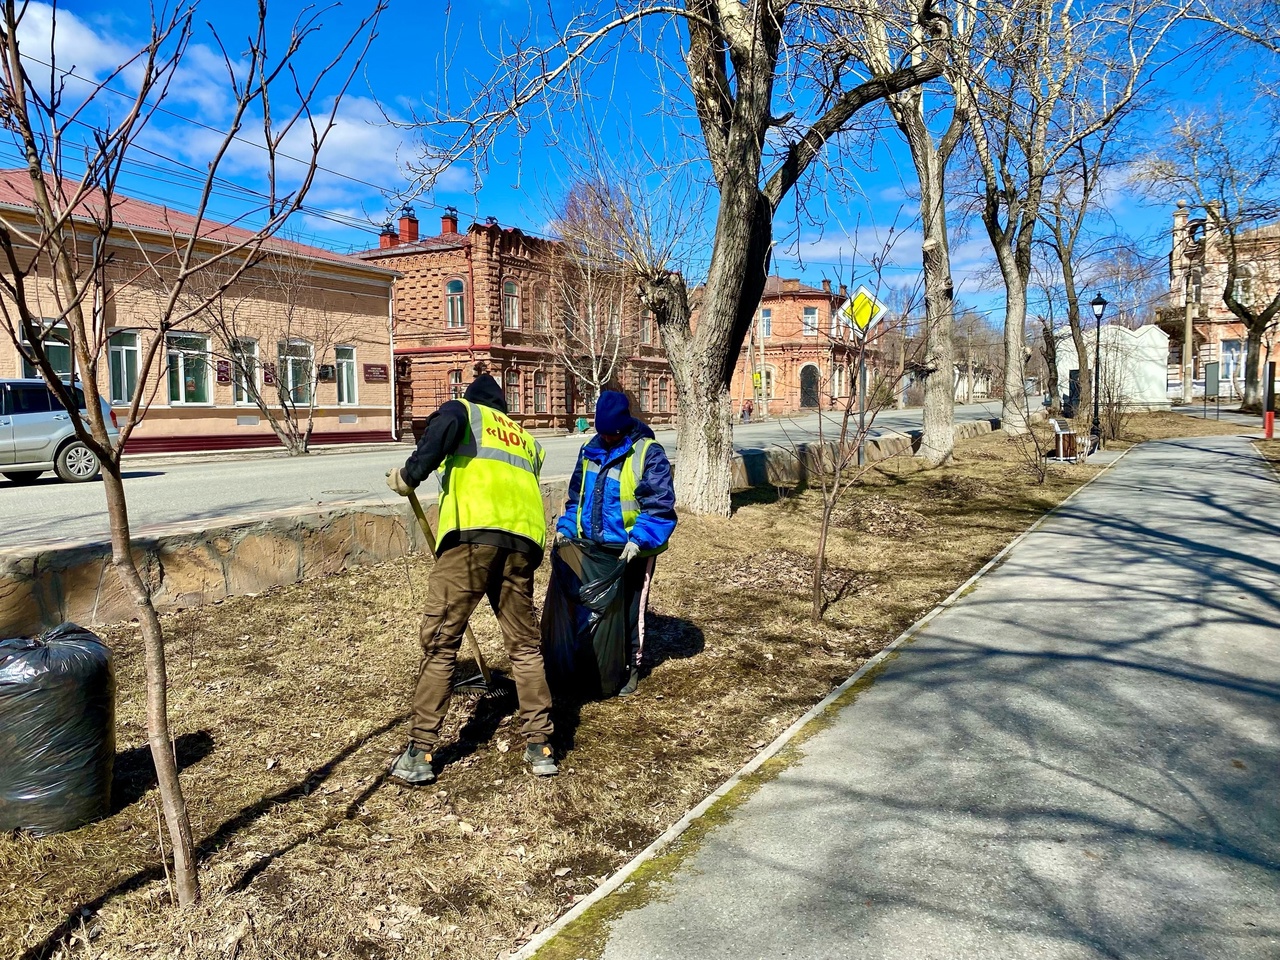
(657, 496)
(446, 429)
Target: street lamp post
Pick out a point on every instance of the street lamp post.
(1099, 305)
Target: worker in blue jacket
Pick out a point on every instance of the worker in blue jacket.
(621, 497)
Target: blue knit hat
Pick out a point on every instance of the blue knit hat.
(613, 413)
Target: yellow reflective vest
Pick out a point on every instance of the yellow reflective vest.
(491, 481)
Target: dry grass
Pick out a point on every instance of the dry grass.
(1270, 450)
(290, 705)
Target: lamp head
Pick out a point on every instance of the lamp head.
(1099, 304)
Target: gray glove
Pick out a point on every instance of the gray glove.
(629, 552)
(395, 480)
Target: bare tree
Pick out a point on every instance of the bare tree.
(1235, 179)
(301, 325)
(930, 155)
(1042, 78)
(770, 94)
(586, 324)
(67, 258)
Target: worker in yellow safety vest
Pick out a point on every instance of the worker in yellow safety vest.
(491, 538)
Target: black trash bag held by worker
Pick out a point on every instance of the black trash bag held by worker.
(57, 730)
(584, 623)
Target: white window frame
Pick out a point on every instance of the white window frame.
(346, 366)
(809, 320)
(116, 354)
(287, 369)
(181, 353)
(243, 389)
(642, 389)
(1242, 289)
(455, 384)
(29, 370)
(455, 304)
(646, 326)
(766, 322)
(510, 305)
(662, 395)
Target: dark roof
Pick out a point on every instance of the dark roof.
(773, 288)
(16, 190)
(446, 241)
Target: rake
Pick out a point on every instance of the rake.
(482, 683)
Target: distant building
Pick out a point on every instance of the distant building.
(791, 359)
(198, 399)
(1198, 276)
(1133, 366)
(485, 299)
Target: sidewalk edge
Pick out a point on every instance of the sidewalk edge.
(624, 872)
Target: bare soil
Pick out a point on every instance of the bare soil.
(288, 707)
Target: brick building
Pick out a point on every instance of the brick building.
(792, 348)
(486, 299)
(1198, 276)
(327, 335)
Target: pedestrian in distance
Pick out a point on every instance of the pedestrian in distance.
(491, 537)
(748, 408)
(622, 499)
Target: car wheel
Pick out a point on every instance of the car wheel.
(23, 477)
(76, 463)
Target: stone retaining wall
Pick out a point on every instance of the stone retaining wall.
(191, 565)
(195, 564)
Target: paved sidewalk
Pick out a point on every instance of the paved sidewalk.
(1079, 759)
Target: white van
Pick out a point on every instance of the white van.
(36, 434)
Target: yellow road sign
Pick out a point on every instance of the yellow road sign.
(861, 311)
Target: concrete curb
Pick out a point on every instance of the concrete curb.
(680, 826)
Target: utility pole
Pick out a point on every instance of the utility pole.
(764, 380)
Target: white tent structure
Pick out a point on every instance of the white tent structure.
(1135, 365)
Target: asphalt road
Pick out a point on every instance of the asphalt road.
(1078, 760)
(174, 490)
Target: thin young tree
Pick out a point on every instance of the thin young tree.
(1042, 77)
(770, 95)
(67, 257)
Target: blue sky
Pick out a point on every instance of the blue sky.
(424, 48)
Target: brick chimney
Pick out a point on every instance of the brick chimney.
(826, 286)
(790, 285)
(844, 291)
(449, 221)
(408, 225)
(388, 238)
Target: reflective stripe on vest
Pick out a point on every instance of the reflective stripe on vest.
(628, 472)
(491, 481)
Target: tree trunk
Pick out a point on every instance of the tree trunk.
(1077, 333)
(185, 878)
(820, 560)
(1013, 408)
(1052, 386)
(704, 441)
(937, 440)
(1253, 394)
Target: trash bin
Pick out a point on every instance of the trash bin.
(57, 730)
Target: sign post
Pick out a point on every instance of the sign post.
(1269, 401)
(859, 314)
(1210, 386)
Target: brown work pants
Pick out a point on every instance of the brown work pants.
(462, 575)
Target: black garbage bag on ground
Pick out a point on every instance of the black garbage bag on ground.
(584, 623)
(57, 730)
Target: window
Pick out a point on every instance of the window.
(539, 392)
(766, 323)
(646, 325)
(1243, 288)
(244, 370)
(57, 347)
(615, 320)
(455, 384)
(345, 358)
(810, 321)
(122, 360)
(455, 309)
(837, 380)
(295, 370)
(188, 369)
(642, 388)
(542, 310)
(29, 398)
(662, 394)
(511, 305)
(512, 377)
(1193, 286)
(766, 386)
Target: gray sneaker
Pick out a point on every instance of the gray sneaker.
(541, 760)
(414, 766)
